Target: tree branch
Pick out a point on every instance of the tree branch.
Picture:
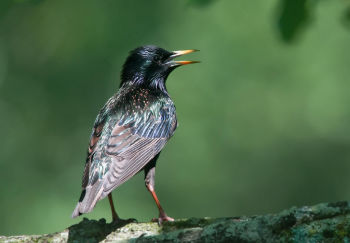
(323, 222)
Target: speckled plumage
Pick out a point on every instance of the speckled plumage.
(132, 127)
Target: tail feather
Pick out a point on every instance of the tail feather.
(76, 211)
(88, 199)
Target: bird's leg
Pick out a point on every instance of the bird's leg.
(150, 181)
(162, 215)
(115, 216)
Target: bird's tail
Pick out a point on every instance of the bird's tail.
(76, 211)
(88, 199)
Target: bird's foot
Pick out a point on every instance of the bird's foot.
(162, 218)
(119, 221)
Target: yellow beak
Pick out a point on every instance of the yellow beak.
(180, 53)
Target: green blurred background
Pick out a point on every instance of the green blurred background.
(263, 120)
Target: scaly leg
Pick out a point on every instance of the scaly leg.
(150, 171)
(115, 216)
(162, 215)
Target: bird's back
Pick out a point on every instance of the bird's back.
(132, 127)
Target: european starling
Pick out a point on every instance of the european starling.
(131, 129)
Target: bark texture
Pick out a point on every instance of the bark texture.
(326, 222)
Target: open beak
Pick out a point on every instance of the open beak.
(180, 53)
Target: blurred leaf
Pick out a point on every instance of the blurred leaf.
(201, 3)
(294, 16)
(346, 18)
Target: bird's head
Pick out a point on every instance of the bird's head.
(151, 65)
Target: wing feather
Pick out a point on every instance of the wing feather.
(139, 158)
(95, 136)
(121, 149)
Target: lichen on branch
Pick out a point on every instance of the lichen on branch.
(328, 222)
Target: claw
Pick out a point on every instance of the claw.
(162, 218)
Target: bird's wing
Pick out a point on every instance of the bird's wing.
(95, 136)
(129, 153)
(132, 141)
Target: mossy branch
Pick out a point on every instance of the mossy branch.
(326, 222)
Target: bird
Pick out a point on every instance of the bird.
(131, 129)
